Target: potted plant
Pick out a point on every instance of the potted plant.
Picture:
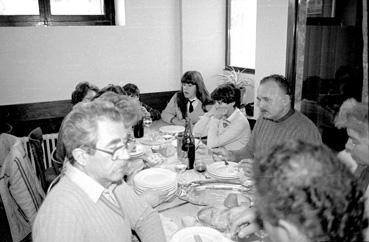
(238, 78)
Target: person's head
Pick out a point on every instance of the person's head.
(227, 97)
(274, 97)
(130, 108)
(193, 86)
(304, 193)
(132, 90)
(110, 88)
(354, 117)
(84, 91)
(95, 140)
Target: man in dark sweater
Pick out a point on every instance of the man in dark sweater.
(278, 121)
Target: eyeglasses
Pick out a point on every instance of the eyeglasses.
(118, 153)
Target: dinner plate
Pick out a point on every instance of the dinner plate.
(139, 151)
(221, 170)
(155, 178)
(172, 129)
(206, 234)
(156, 140)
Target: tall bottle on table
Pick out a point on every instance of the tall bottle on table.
(188, 143)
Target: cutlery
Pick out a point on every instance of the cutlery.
(197, 238)
(175, 206)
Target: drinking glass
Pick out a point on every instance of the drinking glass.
(147, 120)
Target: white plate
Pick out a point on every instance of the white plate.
(139, 151)
(219, 169)
(172, 129)
(155, 178)
(206, 234)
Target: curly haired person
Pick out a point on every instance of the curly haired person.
(304, 193)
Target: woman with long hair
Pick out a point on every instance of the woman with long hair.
(188, 102)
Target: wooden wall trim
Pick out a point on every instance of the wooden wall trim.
(48, 115)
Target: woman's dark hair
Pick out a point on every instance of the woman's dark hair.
(227, 93)
(110, 88)
(195, 78)
(306, 185)
(81, 91)
(131, 90)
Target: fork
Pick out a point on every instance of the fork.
(197, 238)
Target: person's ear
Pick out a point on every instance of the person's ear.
(289, 232)
(286, 99)
(80, 156)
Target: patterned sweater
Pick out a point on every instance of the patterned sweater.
(267, 133)
(68, 214)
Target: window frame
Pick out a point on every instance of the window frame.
(46, 19)
(228, 41)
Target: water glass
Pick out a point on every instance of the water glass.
(147, 120)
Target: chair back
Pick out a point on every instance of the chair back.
(54, 182)
(35, 142)
(20, 190)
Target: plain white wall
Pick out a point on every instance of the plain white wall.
(161, 40)
(203, 38)
(271, 39)
(45, 63)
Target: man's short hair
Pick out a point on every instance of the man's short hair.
(131, 90)
(353, 115)
(81, 91)
(110, 88)
(281, 81)
(306, 185)
(79, 128)
(129, 107)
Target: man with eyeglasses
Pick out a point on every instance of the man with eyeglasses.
(92, 202)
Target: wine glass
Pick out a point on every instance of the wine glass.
(147, 120)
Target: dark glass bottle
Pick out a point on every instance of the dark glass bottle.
(138, 129)
(188, 144)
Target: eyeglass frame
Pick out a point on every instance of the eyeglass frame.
(113, 154)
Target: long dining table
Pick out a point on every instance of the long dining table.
(177, 213)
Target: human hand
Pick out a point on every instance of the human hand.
(220, 112)
(224, 153)
(144, 111)
(154, 197)
(244, 224)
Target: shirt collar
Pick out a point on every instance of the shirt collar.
(233, 115)
(289, 114)
(91, 187)
(193, 99)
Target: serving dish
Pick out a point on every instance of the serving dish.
(213, 193)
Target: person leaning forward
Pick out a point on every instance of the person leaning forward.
(278, 121)
(92, 202)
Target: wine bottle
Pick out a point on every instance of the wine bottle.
(188, 143)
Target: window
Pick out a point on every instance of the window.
(56, 12)
(241, 34)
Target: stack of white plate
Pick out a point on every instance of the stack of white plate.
(162, 180)
(221, 171)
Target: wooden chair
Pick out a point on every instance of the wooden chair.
(45, 174)
(35, 142)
